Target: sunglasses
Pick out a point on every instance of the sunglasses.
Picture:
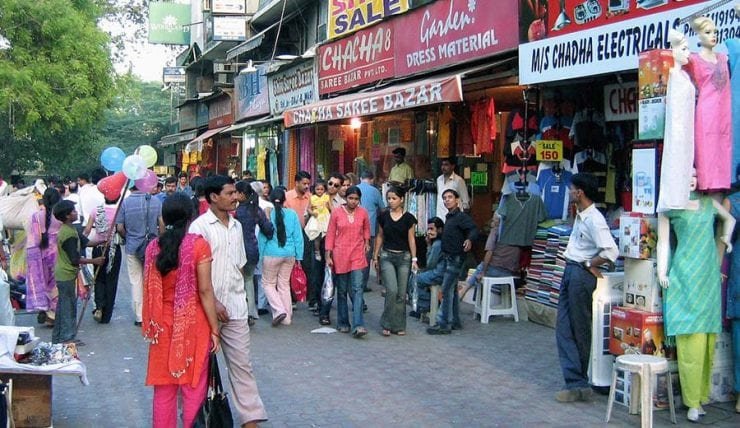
(337, 185)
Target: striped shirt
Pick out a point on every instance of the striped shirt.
(229, 256)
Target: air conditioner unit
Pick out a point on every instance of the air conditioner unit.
(224, 79)
(220, 67)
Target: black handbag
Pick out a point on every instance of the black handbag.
(148, 236)
(215, 411)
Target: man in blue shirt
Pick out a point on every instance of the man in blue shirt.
(373, 202)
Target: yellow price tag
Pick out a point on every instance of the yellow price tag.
(549, 150)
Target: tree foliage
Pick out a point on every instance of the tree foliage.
(56, 82)
(140, 114)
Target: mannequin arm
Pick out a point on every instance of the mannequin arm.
(663, 249)
(728, 225)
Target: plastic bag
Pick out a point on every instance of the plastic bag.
(312, 229)
(16, 209)
(327, 290)
(414, 291)
(299, 283)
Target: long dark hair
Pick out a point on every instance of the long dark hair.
(51, 197)
(252, 202)
(177, 210)
(277, 197)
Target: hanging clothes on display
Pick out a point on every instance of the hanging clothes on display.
(713, 123)
(464, 144)
(273, 163)
(520, 215)
(447, 128)
(483, 125)
(595, 163)
(513, 179)
(519, 154)
(260, 163)
(587, 128)
(554, 184)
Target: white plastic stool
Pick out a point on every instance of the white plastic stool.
(484, 305)
(645, 366)
(433, 304)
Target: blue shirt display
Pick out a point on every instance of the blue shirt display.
(554, 189)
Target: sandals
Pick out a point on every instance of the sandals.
(386, 332)
(324, 321)
(344, 330)
(359, 332)
(401, 333)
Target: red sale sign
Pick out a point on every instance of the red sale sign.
(365, 57)
(453, 31)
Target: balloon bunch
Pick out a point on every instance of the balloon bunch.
(125, 168)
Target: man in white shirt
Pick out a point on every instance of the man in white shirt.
(450, 180)
(224, 234)
(74, 196)
(90, 197)
(590, 246)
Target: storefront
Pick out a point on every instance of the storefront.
(212, 152)
(402, 83)
(599, 77)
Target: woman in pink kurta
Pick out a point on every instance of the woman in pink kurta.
(347, 242)
(41, 256)
(713, 124)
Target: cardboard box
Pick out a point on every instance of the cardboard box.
(641, 288)
(638, 237)
(31, 399)
(723, 350)
(722, 383)
(636, 332)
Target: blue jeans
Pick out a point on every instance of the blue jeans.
(349, 283)
(424, 280)
(449, 313)
(736, 351)
(65, 323)
(573, 327)
(369, 258)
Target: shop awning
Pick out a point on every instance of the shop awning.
(197, 142)
(252, 123)
(171, 139)
(420, 93)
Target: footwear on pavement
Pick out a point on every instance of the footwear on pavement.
(278, 319)
(568, 395)
(437, 330)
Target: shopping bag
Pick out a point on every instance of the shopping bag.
(299, 282)
(312, 229)
(327, 290)
(414, 291)
(215, 411)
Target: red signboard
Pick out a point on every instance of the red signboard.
(411, 95)
(363, 58)
(453, 31)
(558, 17)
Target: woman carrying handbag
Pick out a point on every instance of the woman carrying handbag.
(179, 315)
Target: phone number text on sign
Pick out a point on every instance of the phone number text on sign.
(549, 150)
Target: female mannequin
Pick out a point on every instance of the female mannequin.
(712, 131)
(693, 300)
(678, 144)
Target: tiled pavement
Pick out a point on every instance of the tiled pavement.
(500, 374)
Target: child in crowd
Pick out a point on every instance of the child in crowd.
(434, 250)
(70, 245)
(320, 208)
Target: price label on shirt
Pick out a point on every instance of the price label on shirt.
(549, 150)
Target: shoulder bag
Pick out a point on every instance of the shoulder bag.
(215, 411)
(148, 237)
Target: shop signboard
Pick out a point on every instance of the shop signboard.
(620, 102)
(219, 112)
(238, 7)
(549, 150)
(293, 87)
(174, 75)
(169, 23)
(229, 29)
(449, 32)
(348, 16)
(611, 44)
(365, 57)
(251, 93)
(406, 96)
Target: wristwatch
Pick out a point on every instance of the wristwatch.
(587, 264)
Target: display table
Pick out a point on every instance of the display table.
(32, 385)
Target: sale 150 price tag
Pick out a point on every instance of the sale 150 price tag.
(549, 150)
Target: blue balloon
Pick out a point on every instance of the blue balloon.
(112, 159)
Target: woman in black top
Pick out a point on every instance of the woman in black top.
(394, 255)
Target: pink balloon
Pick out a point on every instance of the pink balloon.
(148, 182)
(112, 186)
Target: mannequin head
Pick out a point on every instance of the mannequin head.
(706, 30)
(679, 47)
(693, 182)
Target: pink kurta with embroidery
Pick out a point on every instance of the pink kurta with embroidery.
(346, 237)
(713, 124)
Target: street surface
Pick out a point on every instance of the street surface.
(500, 374)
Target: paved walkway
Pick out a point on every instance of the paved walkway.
(500, 374)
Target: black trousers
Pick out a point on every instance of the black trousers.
(106, 283)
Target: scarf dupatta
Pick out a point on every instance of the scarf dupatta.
(182, 346)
